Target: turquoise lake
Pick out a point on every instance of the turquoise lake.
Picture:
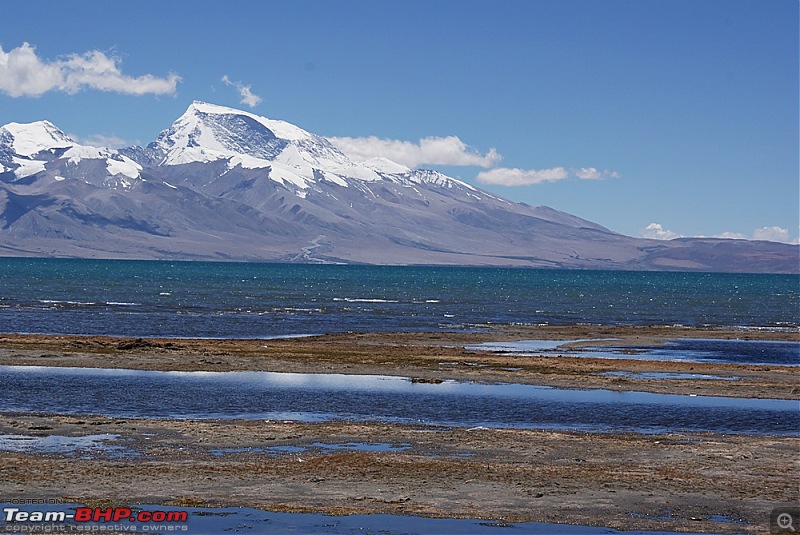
(255, 300)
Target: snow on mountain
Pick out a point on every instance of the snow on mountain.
(386, 166)
(33, 138)
(122, 165)
(226, 184)
(207, 133)
(33, 148)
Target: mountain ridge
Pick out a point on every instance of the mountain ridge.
(225, 184)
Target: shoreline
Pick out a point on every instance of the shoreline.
(682, 481)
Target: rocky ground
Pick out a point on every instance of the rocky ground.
(700, 482)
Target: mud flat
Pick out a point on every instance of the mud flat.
(673, 482)
(430, 356)
(698, 482)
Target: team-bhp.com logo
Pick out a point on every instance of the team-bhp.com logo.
(123, 517)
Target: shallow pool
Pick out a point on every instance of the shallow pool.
(320, 397)
(202, 521)
(760, 352)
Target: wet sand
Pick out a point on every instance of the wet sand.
(675, 482)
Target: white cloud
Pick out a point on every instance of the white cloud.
(504, 176)
(654, 231)
(772, 234)
(104, 141)
(448, 150)
(248, 98)
(731, 236)
(23, 73)
(591, 173)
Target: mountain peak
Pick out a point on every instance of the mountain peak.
(27, 149)
(209, 132)
(272, 191)
(281, 129)
(31, 138)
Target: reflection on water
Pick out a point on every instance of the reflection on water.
(87, 446)
(372, 447)
(317, 397)
(683, 350)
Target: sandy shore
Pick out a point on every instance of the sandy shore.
(674, 482)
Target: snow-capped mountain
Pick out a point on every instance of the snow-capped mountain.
(221, 183)
(210, 133)
(207, 133)
(41, 149)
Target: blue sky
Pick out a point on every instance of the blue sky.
(652, 117)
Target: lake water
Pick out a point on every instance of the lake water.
(320, 397)
(252, 300)
(257, 300)
(207, 521)
(761, 352)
